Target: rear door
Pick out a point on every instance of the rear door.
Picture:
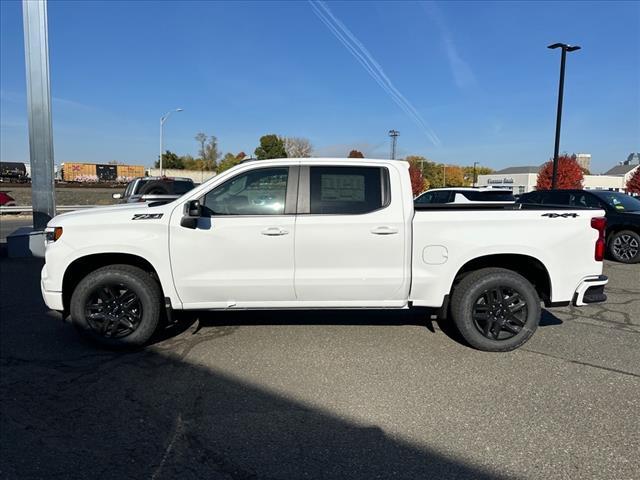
(350, 236)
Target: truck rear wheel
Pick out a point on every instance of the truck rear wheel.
(495, 310)
(117, 306)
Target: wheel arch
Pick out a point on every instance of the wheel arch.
(529, 267)
(618, 227)
(81, 267)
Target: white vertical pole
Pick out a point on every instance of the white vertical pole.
(161, 139)
(36, 52)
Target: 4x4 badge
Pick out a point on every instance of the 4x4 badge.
(563, 215)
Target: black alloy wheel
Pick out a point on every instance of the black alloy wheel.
(499, 313)
(113, 310)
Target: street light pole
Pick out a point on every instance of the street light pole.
(475, 177)
(444, 175)
(163, 119)
(565, 48)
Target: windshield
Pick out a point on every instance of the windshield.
(489, 195)
(181, 187)
(620, 201)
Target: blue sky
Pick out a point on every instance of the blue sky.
(461, 81)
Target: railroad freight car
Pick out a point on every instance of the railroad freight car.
(102, 173)
(13, 172)
(79, 172)
(106, 173)
(126, 173)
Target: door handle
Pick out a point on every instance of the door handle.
(384, 230)
(274, 231)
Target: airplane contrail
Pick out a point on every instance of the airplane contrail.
(373, 68)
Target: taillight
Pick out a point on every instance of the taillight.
(600, 224)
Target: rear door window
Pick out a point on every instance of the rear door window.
(347, 190)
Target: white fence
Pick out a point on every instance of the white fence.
(197, 176)
(29, 208)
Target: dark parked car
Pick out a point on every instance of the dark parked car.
(623, 216)
(154, 189)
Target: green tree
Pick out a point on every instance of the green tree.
(230, 160)
(170, 160)
(271, 146)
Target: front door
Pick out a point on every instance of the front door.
(241, 253)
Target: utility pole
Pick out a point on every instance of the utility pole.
(475, 177)
(565, 48)
(394, 134)
(444, 175)
(36, 52)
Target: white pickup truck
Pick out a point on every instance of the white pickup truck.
(320, 234)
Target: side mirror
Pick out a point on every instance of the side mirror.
(116, 196)
(192, 211)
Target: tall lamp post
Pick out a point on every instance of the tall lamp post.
(163, 119)
(565, 48)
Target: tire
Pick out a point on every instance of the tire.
(485, 302)
(118, 306)
(155, 187)
(624, 246)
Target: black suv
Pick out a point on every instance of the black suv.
(622, 212)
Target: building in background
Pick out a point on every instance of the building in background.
(524, 179)
(518, 179)
(584, 160)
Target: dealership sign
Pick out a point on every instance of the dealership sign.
(500, 180)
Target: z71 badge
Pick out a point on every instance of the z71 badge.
(147, 216)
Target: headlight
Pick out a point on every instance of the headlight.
(52, 234)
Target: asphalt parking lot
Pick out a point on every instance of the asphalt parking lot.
(354, 395)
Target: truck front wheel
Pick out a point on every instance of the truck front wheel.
(117, 305)
(495, 309)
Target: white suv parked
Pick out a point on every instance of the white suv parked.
(465, 195)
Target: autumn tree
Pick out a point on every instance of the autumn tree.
(418, 182)
(633, 185)
(355, 154)
(271, 146)
(569, 174)
(297, 147)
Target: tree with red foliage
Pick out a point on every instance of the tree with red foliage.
(355, 154)
(418, 182)
(569, 174)
(633, 185)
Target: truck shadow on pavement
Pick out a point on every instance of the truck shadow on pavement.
(71, 410)
(226, 322)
